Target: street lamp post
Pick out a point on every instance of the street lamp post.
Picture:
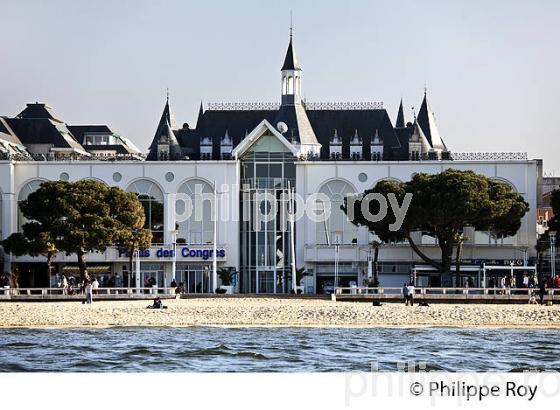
(174, 260)
(336, 256)
(552, 236)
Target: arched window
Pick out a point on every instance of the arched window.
(290, 85)
(337, 226)
(490, 238)
(505, 181)
(199, 227)
(24, 192)
(151, 197)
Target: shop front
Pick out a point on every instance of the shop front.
(195, 277)
(343, 274)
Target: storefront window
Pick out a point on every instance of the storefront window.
(195, 277)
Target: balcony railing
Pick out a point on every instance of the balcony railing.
(266, 183)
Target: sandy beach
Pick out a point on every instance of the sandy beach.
(272, 312)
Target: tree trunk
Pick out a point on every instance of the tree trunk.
(376, 266)
(446, 255)
(458, 263)
(82, 266)
(130, 258)
(424, 257)
(50, 256)
(539, 266)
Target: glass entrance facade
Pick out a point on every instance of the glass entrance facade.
(265, 244)
(194, 277)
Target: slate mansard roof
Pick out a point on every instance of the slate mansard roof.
(238, 123)
(38, 129)
(307, 124)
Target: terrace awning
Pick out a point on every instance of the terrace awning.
(90, 269)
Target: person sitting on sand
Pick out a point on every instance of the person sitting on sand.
(533, 299)
(158, 304)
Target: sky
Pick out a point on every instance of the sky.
(490, 67)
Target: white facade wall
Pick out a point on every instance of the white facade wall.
(310, 176)
(522, 175)
(14, 176)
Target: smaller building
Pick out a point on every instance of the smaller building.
(38, 133)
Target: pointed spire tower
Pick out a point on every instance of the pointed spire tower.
(292, 111)
(427, 122)
(199, 119)
(400, 117)
(418, 145)
(164, 145)
(291, 76)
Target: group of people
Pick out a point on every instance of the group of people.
(543, 286)
(511, 281)
(70, 288)
(408, 294)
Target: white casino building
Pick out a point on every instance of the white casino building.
(244, 150)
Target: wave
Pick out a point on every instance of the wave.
(19, 344)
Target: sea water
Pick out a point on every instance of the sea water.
(270, 349)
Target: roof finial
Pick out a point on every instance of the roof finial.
(291, 25)
(167, 92)
(425, 88)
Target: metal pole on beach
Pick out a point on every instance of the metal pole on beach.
(138, 271)
(336, 255)
(292, 239)
(215, 244)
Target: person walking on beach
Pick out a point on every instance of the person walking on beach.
(410, 289)
(405, 294)
(542, 291)
(89, 293)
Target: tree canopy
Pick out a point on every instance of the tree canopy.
(78, 218)
(44, 213)
(442, 206)
(129, 219)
